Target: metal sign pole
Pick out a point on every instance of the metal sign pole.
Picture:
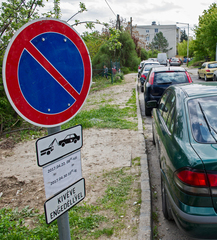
(63, 220)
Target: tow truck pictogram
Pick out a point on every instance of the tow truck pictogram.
(70, 138)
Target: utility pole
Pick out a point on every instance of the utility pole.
(118, 25)
(131, 26)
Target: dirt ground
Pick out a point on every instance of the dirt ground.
(103, 149)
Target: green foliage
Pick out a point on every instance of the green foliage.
(153, 53)
(182, 48)
(93, 42)
(144, 54)
(13, 15)
(183, 36)
(205, 43)
(113, 43)
(159, 42)
(125, 70)
(125, 51)
(107, 116)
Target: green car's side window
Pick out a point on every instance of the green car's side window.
(169, 105)
(171, 119)
(162, 105)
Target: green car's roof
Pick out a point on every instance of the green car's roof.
(199, 89)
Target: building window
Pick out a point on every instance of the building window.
(147, 39)
(156, 30)
(147, 30)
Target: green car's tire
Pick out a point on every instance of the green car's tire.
(166, 208)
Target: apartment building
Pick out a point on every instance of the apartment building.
(170, 32)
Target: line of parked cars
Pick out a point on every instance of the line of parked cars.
(184, 126)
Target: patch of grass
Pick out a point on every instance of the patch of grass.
(108, 116)
(99, 83)
(106, 217)
(136, 161)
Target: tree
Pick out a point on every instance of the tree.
(183, 36)
(119, 47)
(13, 15)
(93, 41)
(206, 39)
(182, 48)
(159, 42)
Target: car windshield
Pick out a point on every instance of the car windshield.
(212, 65)
(203, 119)
(170, 77)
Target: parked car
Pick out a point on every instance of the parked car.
(185, 135)
(159, 79)
(206, 70)
(147, 63)
(175, 61)
(140, 67)
(215, 75)
(145, 72)
(162, 58)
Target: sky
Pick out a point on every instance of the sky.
(163, 12)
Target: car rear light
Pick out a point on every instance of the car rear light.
(189, 77)
(151, 79)
(143, 76)
(207, 70)
(191, 181)
(139, 67)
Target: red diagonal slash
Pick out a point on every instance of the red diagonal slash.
(51, 70)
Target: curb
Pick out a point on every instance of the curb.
(145, 232)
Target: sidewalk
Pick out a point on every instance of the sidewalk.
(145, 231)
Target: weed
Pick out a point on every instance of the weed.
(155, 232)
(155, 216)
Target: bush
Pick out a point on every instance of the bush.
(125, 70)
(118, 77)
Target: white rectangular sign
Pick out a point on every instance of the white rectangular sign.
(62, 173)
(57, 145)
(65, 200)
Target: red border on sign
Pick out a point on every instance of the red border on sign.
(21, 41)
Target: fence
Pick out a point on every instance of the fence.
(112, 69)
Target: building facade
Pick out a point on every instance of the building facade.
(170, 32)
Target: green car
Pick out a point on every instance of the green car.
(185, 135)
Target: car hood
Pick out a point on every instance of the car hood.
(208, 155)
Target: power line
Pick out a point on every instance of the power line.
(110, 8)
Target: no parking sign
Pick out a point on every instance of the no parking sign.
(47, 72)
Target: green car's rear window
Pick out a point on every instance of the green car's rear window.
(203, 118)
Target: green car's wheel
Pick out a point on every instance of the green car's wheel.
(199, 76)
(165, 202)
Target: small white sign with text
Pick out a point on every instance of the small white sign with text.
(62, 173)
(63, 201)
